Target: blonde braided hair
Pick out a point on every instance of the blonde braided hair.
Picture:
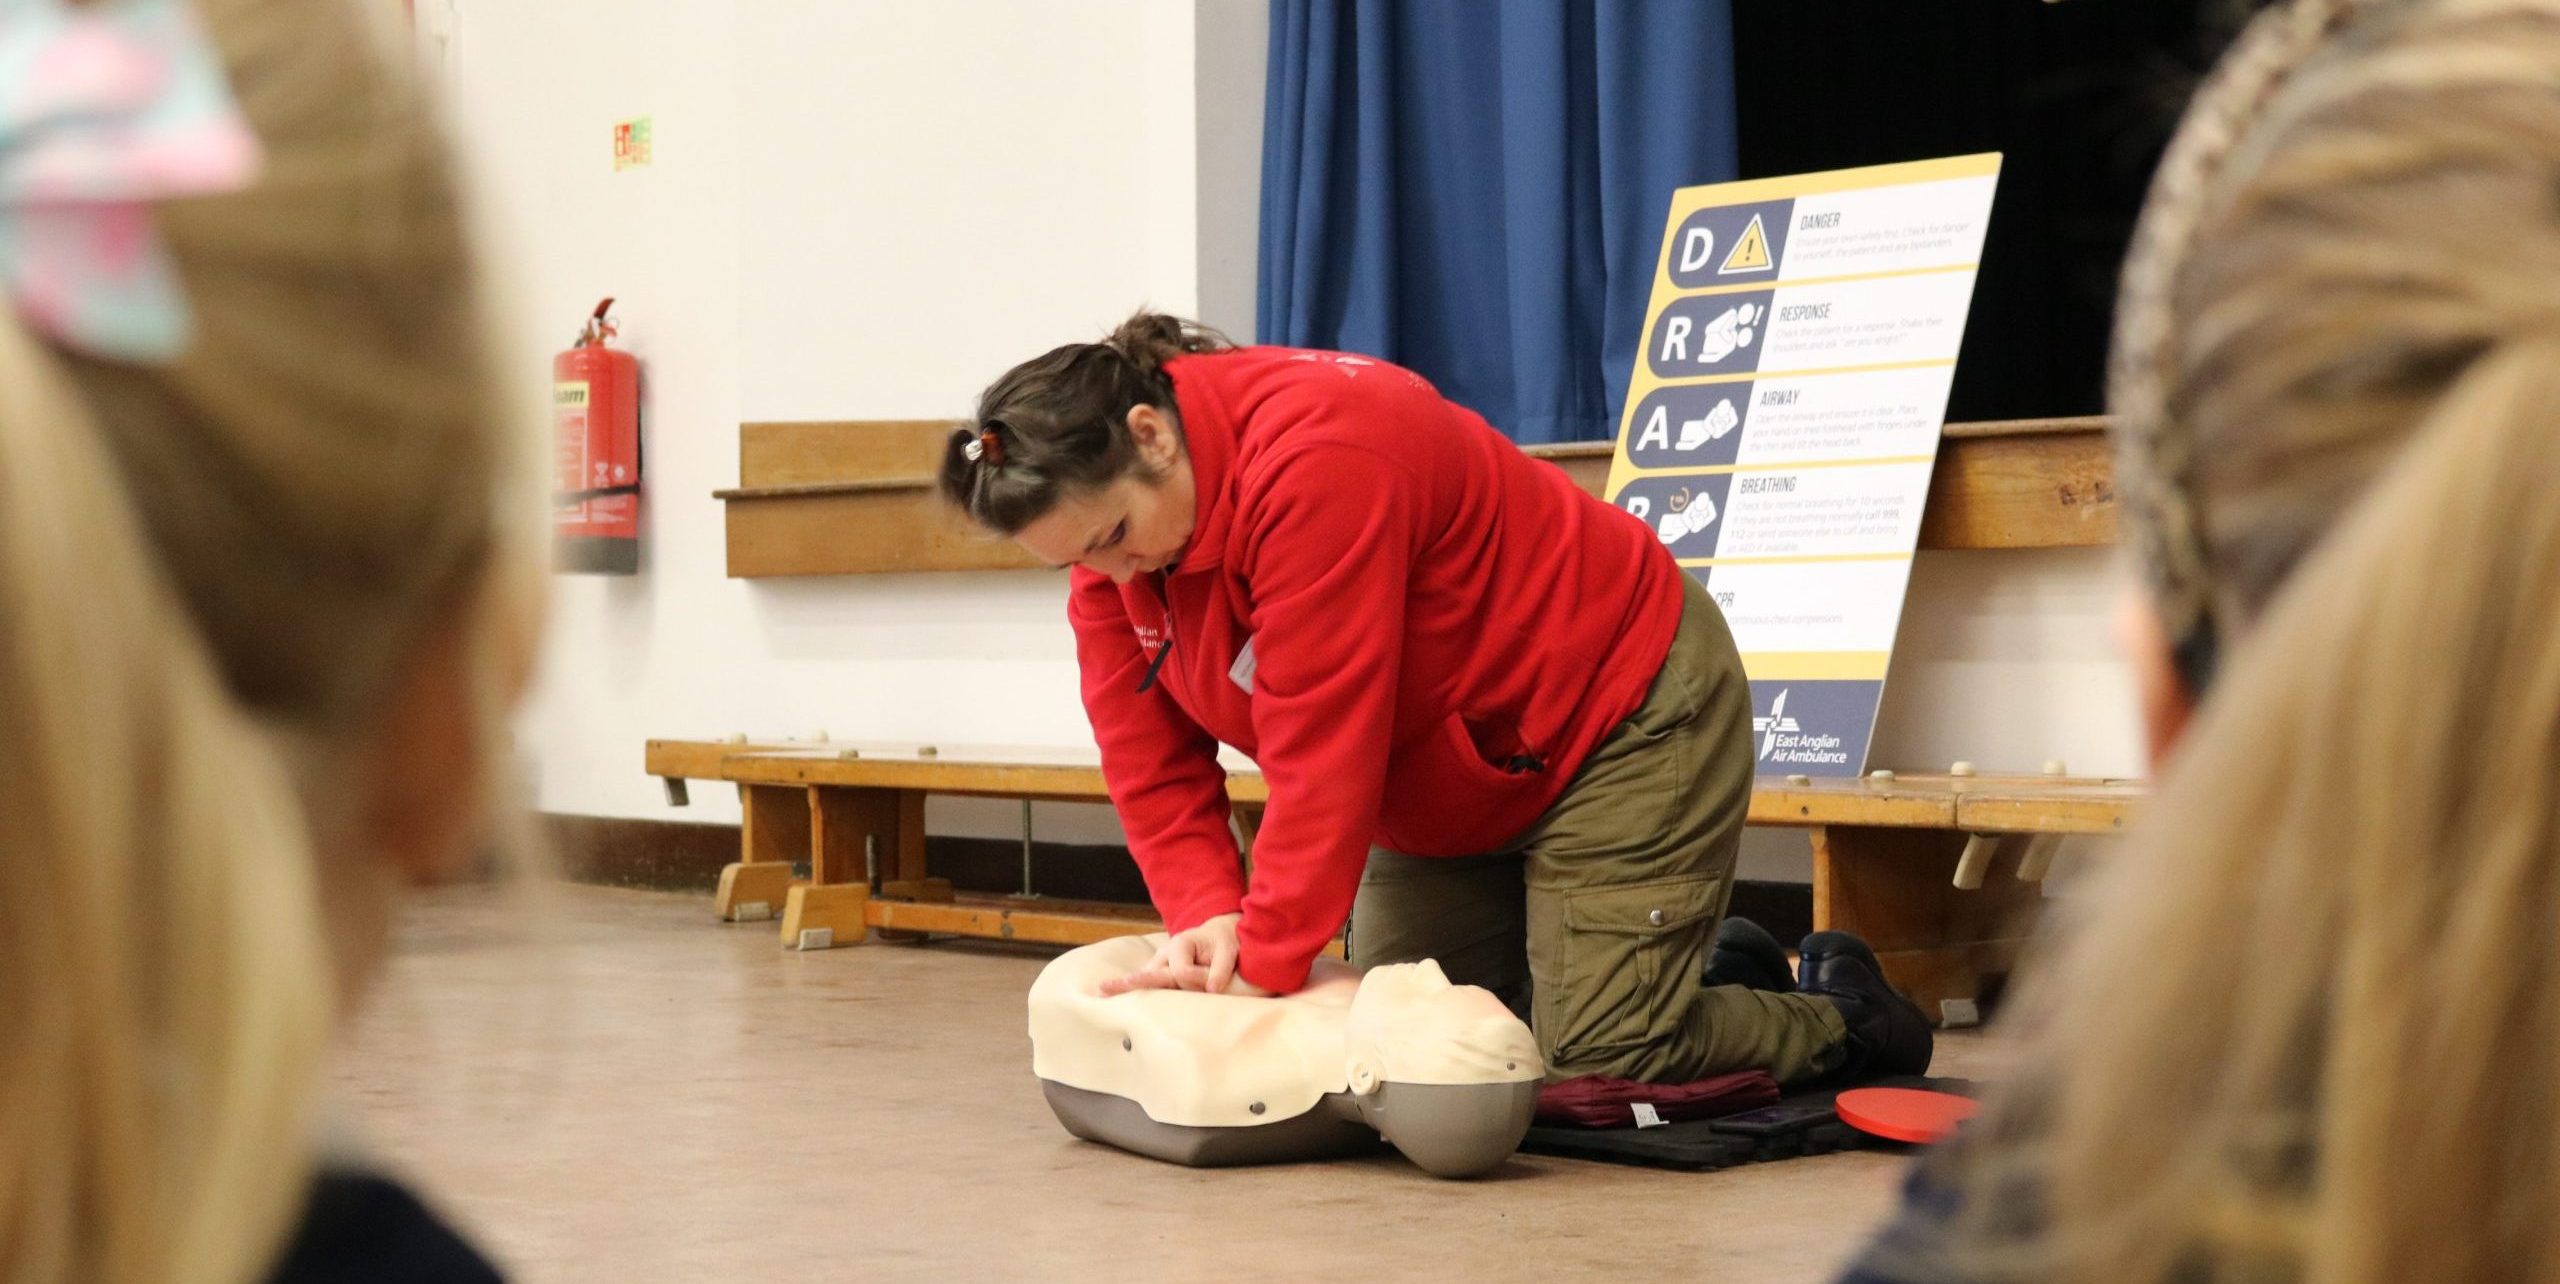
(2155, 455)
(2306, 1029)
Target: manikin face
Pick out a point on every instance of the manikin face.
(1408, 1024)
(1134, 526)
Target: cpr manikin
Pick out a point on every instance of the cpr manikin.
(1445, 1072)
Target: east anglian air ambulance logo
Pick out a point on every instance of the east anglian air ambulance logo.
(1775, 725)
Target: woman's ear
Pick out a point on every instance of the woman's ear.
(1159, 442)
(2166, 702)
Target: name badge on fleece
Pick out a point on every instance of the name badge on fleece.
(1241, 672)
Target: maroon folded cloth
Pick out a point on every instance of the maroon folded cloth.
(1597, 1101)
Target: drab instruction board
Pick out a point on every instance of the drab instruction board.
(1783, 419)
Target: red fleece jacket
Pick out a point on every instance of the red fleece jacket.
(1418, 632)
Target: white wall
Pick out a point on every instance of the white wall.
(867, 210)
(2007, 660)
(855, 211)
(1233, 40)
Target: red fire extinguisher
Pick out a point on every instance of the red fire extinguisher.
(595, 418)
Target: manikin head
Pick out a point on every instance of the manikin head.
(1408, 1024)
(1445, 1072)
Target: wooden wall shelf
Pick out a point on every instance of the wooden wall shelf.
(854, 497)
(849, 498)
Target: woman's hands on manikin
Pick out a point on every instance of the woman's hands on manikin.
(1201, 959)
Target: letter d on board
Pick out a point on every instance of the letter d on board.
(1696, 246)
(1639, 507)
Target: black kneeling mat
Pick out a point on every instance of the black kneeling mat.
(1802, 1123)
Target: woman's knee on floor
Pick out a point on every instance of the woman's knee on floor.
(1615, 969)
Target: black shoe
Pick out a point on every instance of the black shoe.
(1747, 955)
(1888, 1035)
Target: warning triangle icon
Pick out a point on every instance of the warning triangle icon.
(1750, 253)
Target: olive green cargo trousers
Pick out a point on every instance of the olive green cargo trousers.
(1596, 924)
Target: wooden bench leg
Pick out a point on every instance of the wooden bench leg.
(752, 891)
(775, 833)
(855, 836)
(2038, 858)
(822, 916)
(1895, 888)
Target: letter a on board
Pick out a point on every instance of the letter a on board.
(1657, 429)
(1750, 253)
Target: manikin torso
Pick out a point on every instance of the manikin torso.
(1445, 1071)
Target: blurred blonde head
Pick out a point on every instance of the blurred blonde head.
(2310, 1026)
(264, 607)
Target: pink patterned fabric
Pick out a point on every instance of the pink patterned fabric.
(105, 109)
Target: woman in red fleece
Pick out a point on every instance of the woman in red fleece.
(1500, 727)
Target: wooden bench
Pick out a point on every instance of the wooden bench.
(1939, 873)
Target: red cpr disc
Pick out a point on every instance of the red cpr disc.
(1904, 1114)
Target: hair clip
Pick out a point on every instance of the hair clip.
(111, 108)
(988, 447)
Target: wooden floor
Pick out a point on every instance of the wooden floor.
(607, 1086)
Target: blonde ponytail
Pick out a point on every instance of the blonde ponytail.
(2308, 1027)
(164, 981)
(216, 577)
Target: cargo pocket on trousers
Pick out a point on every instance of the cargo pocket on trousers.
(1630, 958)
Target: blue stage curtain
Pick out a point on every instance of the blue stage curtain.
(1476, 188)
